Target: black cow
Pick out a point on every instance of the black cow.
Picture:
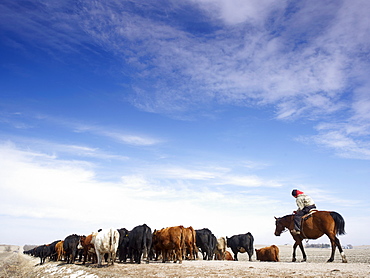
(38, 252)
(53, 255)
(206, 242)
(241, 243)
(44, 252)
(140, 241)
(123, 244)
(70, 247)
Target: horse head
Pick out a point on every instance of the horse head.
(281, 225)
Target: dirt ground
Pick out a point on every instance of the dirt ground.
(14, 264)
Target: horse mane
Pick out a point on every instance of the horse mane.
(286, 216)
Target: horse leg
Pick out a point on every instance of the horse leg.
(294, 249)
(303, 252)
(336, 243)
(333, 245)
(344, 259)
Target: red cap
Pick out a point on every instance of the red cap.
(296, 192)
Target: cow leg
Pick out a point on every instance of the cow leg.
(250, 253)
(235, 255)
(146, 254)
(113, 257)
(191, 251)
(137, 256)
(109, 259)
(85, 256)
(178, 256)
(99, 257)
(73, 256)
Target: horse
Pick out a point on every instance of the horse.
(314, 225)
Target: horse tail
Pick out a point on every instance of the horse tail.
(339, 222)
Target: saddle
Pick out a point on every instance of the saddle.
(309, 214)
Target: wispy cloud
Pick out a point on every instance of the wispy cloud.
(30, 120)
(304, 59)
(130, 139)
(348, 140)
(303, 68)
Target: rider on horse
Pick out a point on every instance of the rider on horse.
(305, 204)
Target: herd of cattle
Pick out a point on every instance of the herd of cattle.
(168, 244)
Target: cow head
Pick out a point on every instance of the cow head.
(81, 242)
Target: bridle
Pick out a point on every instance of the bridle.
(285, 228)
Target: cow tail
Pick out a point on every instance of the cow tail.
(112, 241)
(182, 242)
(195, 249)
(251, 240)
(143, 244)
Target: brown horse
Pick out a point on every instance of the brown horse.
(314, 226)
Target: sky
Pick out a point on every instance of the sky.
(204, 113)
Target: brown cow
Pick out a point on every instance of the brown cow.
(88, 248)
(60, 250)
(228, 256)
(220, 249)
(169, 242)
(190, 243)
(268, 254)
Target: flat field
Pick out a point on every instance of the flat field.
(14, 264)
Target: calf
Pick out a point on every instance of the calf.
(241, 243)
(228, 256)
(268, 254)
(220, 249)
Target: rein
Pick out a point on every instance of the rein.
(285, 230)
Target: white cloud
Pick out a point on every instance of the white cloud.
(130, 139)
(41, 186)
(124, 137)
(348, 139)
(247, 181)
(38, 187)
(239, 11)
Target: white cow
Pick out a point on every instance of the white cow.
(106, 242)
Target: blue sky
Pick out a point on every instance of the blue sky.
(204, 113)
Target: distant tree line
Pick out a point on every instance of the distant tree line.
(29, 247)
(325, 245)
(318, 245)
